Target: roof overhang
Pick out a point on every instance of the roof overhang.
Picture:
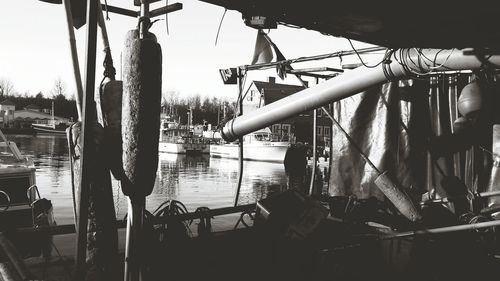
(390, 23)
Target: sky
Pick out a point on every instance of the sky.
(34, 47)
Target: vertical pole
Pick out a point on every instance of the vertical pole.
(74, 56)
(218, 114)
(133, 249)
(86, 135)
(313, 173)
(240, 149)
(453, 105)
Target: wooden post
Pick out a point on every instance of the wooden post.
(88, 119)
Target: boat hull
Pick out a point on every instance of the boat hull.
(274, 152)
(48, 130)
(184, 148)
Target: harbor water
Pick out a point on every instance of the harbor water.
(194, 180)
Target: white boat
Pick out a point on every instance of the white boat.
(49, 129)
(18, 191)
(52, 126)
(180, 140)
(260, 145)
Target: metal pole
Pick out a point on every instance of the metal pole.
(315, 144)
(144, 25)
(74, 57)
(87, 144)
(351, 83)
(133, 247)
(240, 147)
(447, 229)
(313, 173)
(453, 105)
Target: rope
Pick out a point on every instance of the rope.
(220, 25)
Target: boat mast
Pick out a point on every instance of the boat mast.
(53, 119)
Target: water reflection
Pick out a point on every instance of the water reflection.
(194, 180)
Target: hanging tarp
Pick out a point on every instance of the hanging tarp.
(379, 122)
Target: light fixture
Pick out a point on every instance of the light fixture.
(260, 22)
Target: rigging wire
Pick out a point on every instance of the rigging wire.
(361, 60)
(220, 25)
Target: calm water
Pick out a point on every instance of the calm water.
(194, 180)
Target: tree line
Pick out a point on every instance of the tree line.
(205, 110)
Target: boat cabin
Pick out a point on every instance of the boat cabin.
(17, 186)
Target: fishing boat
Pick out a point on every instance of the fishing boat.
(175, 138)
(20, 200)
(52, 127)
(261, 145)
(378, 225)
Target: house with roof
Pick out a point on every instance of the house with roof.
(7, 108)
(299, 127)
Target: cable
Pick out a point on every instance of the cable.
(361, 60)
(220, 25)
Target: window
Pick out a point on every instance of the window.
(286, 128)
(326, 131)
(319, 132)
(275, 128)
(250, 97)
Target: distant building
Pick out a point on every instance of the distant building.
(24, 118)
(7, 108)
(299, 127)
(34, 107)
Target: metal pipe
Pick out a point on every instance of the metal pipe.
(88, 120)
(348, 84)
(133, 247)
(441, 230)
(240, 146)
(74, 57)
(452, 101)
(313, 172)
(144, 19)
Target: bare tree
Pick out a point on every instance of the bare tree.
(6, 87)
(59, 89)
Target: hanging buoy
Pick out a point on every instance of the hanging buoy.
(141, 107)
(470, 100)
(461, 124)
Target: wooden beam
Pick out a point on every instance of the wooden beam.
(120, 11)
(165, 10)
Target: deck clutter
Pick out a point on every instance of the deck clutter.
(413, 187)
